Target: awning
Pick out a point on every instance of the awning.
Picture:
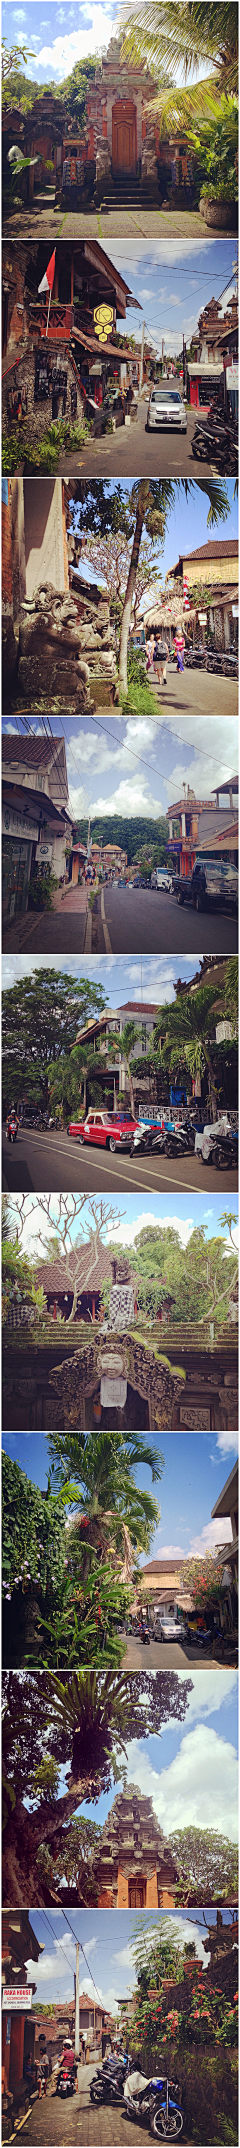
(91, 343)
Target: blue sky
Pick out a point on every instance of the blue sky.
(173, 280)
(131, 1215)
(42, 27)
(137, 765)
(150, 978)
(107, 1942)
(194, 1470)
(55, 47)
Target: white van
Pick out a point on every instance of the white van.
(160, 878)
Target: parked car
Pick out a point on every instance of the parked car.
(160, 878)
(213, 881)
(166, 407)
(108, 1129)
(169, 1628)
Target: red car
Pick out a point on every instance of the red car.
(110, 1129)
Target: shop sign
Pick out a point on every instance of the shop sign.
(18, 824)
(17, 1999)
(232, 376)
(44, 853)
(103, 322)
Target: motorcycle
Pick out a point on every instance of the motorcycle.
(180, 1141)
(224, 1152)
(12, 1129)
(66, 2083)
(152, 2099)
(108, 2083)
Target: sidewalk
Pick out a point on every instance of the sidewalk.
(57, 931)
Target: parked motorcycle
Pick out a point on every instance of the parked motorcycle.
(223, 1152)
(108, 2083)
(153, 2100)
(180, 1141)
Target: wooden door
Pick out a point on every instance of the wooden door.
(124, 137)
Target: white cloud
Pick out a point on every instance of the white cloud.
(130, 1231)
(138, 799)
(199, 1787)
(58, 59)
(212, 1534)
(228, 1442)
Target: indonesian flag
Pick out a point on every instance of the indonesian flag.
(48, 280)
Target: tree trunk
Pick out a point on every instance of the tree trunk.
(127, 607)
(131, 1088)
(21, 1880)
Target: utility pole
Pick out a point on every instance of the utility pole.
(77, 2001)
(141, 359)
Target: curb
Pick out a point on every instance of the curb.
(107, 941)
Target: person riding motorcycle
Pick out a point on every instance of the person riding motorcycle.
(12, 1124)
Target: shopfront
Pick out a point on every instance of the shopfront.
(19, 833)
(204, 385)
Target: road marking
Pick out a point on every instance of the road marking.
(144, 1185)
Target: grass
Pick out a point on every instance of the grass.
(139, 698)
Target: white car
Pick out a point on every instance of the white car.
(168, 1628)
(166, 407)
(161, 879)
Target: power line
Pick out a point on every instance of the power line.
(74, 1936)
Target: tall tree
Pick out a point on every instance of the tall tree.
(207, 1865)
(144, 511)
(124, 1045)
(183, 1035)
(40, 1016)
(85, 1720)
(62, 1213)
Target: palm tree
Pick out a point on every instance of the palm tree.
(173, 41)
(112, 1505)
(125, 1046)
(153, 506)
(186, 1027)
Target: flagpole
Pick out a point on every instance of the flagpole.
(49, 303)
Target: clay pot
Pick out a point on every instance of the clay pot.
(221, 215)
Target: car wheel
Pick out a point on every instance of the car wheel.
(81, 1141)
(198, 905)
(180, 898)
(112, 1145)
(68, 1129)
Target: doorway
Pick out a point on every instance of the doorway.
(124, 154)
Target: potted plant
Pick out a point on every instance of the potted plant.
(215, 146)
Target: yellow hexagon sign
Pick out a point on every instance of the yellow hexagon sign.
(103, 321)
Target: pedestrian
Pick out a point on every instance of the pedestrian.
(179, 646)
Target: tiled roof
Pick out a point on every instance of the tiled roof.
(91, 1273)
(32, 750)
(163, 1566)
(224, 547)
(138, 1006)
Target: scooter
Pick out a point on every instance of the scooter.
(12, 1129)
(66, 2083)
(152, 2100)
(179, 1142)
(108, 2083)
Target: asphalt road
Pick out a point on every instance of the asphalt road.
(163, 1656)
(146, 921)
(131, 450)
(40, 1161)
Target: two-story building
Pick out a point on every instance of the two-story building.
(212, 568)
(214, 351)
(37, 821)
(19, 1946)
(197, 824)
